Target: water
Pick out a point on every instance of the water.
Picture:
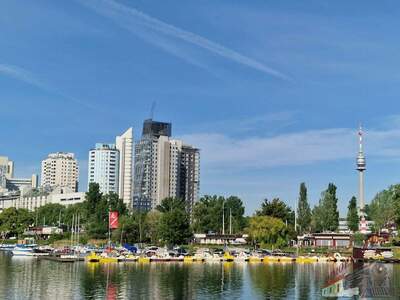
(30, 278)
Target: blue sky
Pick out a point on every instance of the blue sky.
(271, 91)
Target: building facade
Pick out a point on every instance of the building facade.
(6, 172)
(103, 167)
(164, 167)
(33, 202)
(124, 144)
(9, 183)
(60, 169)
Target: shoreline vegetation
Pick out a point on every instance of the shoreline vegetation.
(274, 225)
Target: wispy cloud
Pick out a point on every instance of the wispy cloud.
(300, 148)
(165, 35)
(21, 74)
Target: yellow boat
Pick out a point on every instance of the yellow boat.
(106, 260)
(286, 259)
(255, 259)
(282, 259)
(306, 259)
(92, 257)
(188, 259)
(228, 256)
(270, 258)
(144, 259)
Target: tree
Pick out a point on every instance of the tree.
(277, 209)
(352, 215)
(50, 214)
(325, 215)
(174, 225)
(382, 209)
(207, 214)
(97, 225)
(151, 225)
(317, 218)
(130, 229)
(303, 210)
(93, 197)
(269, 230)
(234, 208)
(77, 209)
(116, 204)
(14, 221)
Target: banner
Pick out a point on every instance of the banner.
(113, 219)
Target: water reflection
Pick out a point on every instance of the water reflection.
(29, 278)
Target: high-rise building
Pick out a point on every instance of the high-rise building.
(156, 129)
(164, 167)
(7, 180)
(103, 167)
(124, 145)
(6, 171)
(189, 175)
(60, 170)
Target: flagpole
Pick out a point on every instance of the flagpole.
(109, 231)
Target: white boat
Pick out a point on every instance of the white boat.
(23, 251)
(7, 247)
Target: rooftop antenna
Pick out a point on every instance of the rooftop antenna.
(152, 109)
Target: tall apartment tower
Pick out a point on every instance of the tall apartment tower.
(189, 175)
(164, 167)
(60, 169)
(104, 167)
(151, 165)
(124, 145)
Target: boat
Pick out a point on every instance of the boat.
(306, 259)
(7, 247)
(242, 257)
(278, 256)
(22, 250)
(255, 259)
(228, 257)
(128, 258)
(92, 257)
(108, 259)
(144, 259)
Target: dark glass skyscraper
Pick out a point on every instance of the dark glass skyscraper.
(156, 129)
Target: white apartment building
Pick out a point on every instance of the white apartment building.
(104, 167)
(124, 145)
(60, 169)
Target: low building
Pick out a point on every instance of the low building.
(220, 239)
(43, 231)
(33, 202)
(9, 199)
(21, 184)
(326, 239)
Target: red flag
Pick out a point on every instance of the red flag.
(113, 219)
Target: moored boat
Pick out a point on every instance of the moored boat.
(22, 250)
(92, 257)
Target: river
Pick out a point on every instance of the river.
(31, 278)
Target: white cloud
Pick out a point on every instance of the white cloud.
(307, 147)
(165, 35)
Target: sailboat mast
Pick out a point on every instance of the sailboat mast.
(230, 221)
